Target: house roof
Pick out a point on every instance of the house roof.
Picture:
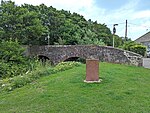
(144, 38)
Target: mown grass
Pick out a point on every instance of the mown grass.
(124, 89)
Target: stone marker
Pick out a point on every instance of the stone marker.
(92, 70)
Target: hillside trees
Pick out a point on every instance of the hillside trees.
(19, 23)
(32, 24)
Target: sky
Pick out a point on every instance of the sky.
(136, 12)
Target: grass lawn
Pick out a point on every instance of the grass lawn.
(124, 89)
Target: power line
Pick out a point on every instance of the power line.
(130, 24)
(139, 25)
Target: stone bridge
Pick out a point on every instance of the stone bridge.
(59, 53)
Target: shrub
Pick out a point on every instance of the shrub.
(135, 47)
(139, 49)
(12, 60)
(65, 65)
(3, 69)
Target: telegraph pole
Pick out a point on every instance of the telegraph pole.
(126, 31)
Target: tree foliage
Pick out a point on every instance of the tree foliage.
(17, 22)
(32, 24)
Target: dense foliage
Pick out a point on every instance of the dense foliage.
(135, 47)
(12, 60)
(35, 24)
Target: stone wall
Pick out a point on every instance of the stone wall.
(59, 53)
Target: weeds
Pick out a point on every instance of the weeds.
(9, 84)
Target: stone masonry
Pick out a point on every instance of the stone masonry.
(59, 53)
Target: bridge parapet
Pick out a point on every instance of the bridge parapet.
(59, 53)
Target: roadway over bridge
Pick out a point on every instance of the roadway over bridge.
(59, 53)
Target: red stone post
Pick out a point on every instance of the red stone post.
(92, 70)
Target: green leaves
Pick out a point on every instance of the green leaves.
(19, 23)
(31, 25)
(135, 47)
(12, 60)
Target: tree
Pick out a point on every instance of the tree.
(118, 41)
(32, 24)
(19, 23)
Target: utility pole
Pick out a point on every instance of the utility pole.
(126, 31)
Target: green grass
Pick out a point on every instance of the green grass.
(124, 89)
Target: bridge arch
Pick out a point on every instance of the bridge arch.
(42, 57)
(59, 53)
(78, 59)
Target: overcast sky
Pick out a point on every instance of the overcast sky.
(110, 12)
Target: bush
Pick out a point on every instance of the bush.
(139, 49)
(3, 69)
(12, 60)
(65, 66)
(135, 47)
